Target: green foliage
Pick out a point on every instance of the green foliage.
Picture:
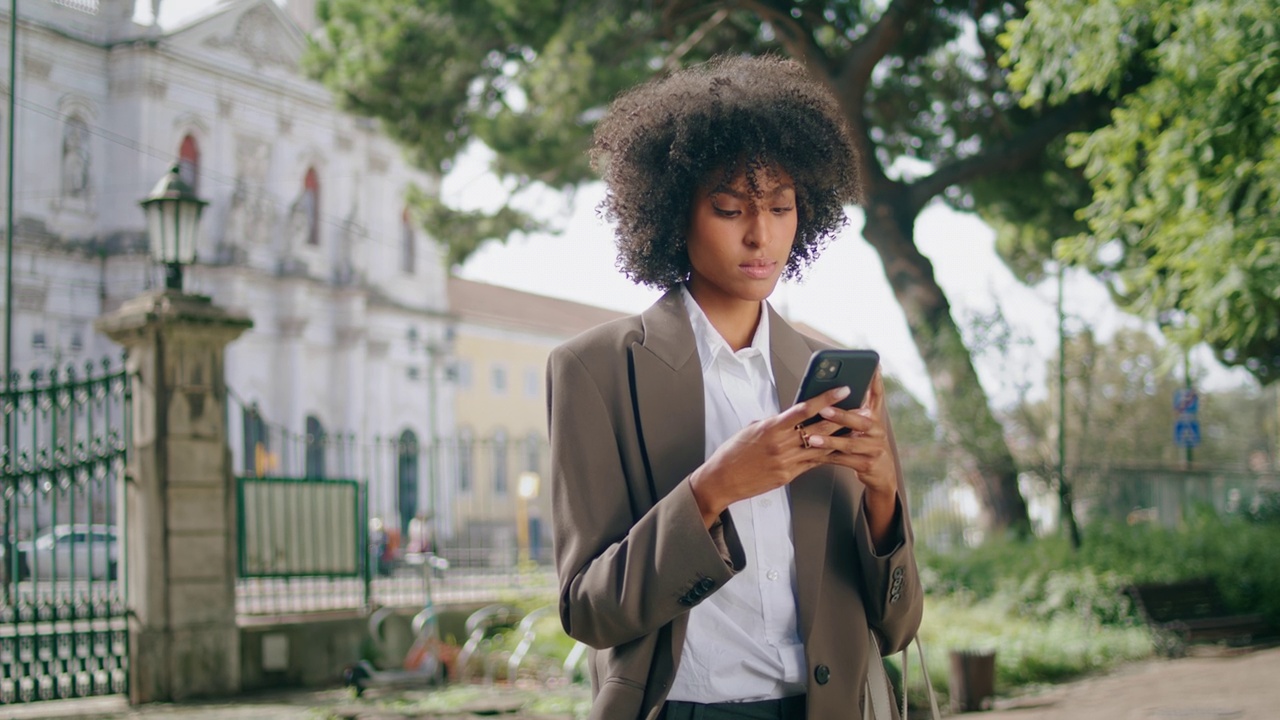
(529, 79)
(462, 231)
(1034, 579)
(1028, 650)
(1185, 175)
(918, 80)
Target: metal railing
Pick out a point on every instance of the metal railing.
(62, 543)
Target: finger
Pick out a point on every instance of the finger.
(803, 411)
(824, 427)
(860, 446)
(861, 421)
(875, 393)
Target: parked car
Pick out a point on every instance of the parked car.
(88, 551)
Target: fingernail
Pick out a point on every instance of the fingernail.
(817, 441)
(843, 392)
(827, 412)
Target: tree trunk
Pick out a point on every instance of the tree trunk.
(963, 408)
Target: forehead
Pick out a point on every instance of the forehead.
(751, 182)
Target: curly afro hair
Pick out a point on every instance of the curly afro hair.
(662, 141)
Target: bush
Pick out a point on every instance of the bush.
(1045, 579)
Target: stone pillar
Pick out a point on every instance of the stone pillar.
(181, 531)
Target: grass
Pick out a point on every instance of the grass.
(1029, 650)
(1049, 613)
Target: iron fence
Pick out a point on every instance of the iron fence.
(1166, 495)
(63, 609)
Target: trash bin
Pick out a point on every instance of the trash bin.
(973, 680)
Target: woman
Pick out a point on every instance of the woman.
(721, 563)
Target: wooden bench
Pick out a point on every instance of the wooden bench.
(1192, 611)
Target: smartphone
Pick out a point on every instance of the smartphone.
(833, 368)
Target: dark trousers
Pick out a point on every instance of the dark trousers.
(791, 708)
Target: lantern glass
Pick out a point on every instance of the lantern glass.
(188, 223)
(158, 230)
(173, 224)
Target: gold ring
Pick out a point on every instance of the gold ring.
(804, 436)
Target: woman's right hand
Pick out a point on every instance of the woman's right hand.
(764, 455)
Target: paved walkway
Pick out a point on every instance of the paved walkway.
(1209, 685)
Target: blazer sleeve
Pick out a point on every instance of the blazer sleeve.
(620, 577)
(894, 597)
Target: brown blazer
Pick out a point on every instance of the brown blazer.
(632, 554)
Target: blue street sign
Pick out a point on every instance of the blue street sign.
(1185, 401)
(1186, 431)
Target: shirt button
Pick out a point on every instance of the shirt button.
(772, 574)
(766, 502)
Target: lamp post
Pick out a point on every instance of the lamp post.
(173, 221)
(527, 489)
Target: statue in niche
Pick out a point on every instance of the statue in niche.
(250, 215)
(75, 159)
(352, 233)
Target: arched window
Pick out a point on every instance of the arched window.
(500, 462)
(75, 158)
(189, 163)
(407, 479)
(315, 448)
(311, 205)
(257, 445)
(465, 448)
(407, 241)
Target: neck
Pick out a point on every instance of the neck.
(736, 320)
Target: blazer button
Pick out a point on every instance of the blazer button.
(822, 674)
(897, 573)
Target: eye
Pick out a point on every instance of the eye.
(783, 210)
(725, 212)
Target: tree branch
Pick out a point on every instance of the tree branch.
(794, 36)
(871, 48)
(1007, 155)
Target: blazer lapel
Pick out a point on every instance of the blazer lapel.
(811, 492)
(667, 377)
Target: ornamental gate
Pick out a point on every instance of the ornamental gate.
(63, 630)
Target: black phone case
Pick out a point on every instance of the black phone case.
(857, 367)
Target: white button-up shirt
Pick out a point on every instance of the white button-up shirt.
(743, 641)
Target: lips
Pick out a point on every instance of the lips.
(758, 269)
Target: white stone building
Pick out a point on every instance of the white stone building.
(306, 231)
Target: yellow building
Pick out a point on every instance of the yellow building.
(502, 339)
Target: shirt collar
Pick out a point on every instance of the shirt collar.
(711, 343)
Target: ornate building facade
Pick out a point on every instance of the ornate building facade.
(306, 232)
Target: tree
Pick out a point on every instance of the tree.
(918, 80)
(1184, 177)
(1120, 414)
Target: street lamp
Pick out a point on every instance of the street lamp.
(527, 489)
(173, 221)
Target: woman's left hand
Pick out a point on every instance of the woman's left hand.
(866, 447)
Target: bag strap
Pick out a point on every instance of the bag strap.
(933, 696)
(879, 704)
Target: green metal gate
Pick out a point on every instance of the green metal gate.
(63, 630)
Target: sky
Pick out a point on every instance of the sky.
(844, 295)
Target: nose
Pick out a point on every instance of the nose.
(759, 230)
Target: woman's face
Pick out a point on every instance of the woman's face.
(739, 242)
